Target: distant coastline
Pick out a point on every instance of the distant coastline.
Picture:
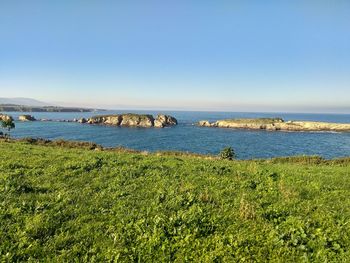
(24, 108)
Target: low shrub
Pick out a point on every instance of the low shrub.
(227, 154)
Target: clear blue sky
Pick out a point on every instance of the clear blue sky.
(205, 55)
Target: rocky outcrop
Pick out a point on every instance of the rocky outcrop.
(26, 118)
(4, 117)
(315, 126)
(204, 123)
(277, 124)
(82, 120)
(133, 120)
(164, 120)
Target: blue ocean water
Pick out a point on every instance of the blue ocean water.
(187, 137)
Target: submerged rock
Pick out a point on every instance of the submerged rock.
(26, 118)
(134, 120)
(277, 124)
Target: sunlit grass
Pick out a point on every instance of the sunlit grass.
(70, 203)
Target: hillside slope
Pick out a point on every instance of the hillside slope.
(24, 102)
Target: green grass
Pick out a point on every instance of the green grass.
(66, 204)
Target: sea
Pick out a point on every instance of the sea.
(247, 144)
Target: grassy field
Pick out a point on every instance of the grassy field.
(76, 204)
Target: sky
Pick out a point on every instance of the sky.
(282, 56)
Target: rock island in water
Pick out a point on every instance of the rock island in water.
(277, 124)
(132, 120)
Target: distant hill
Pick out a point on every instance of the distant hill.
(24, 102)
(32, 105)
(23, 108)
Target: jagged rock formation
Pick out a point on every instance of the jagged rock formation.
(26, 118)
(82, 120)
(204, 123)
(132, 120)
(164, 120)
(4, 117)
(277, 124)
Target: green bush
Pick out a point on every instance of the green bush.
(227, 154)
(8, 125)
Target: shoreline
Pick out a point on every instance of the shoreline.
(91, 146)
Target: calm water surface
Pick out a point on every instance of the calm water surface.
(187, 137)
